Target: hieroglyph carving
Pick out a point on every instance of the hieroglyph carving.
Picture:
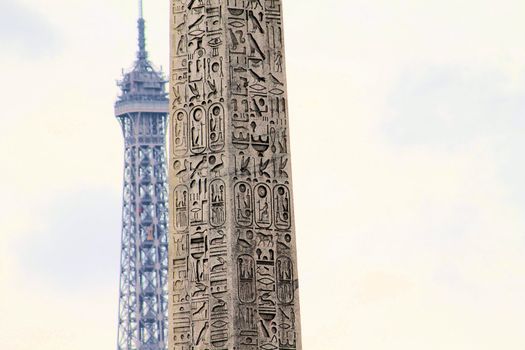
(232, 245)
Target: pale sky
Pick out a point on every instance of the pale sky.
(407, 131)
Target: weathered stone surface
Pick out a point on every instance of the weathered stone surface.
(233, 271)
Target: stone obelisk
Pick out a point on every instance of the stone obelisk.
(233, 271)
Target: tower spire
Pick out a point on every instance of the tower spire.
(142, 53)
(135, 85)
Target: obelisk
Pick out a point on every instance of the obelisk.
(233, 266)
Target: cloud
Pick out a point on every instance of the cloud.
(452, 106)
(75, 246)
(25, 32)
(456, 108)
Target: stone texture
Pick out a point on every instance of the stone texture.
(233, 272)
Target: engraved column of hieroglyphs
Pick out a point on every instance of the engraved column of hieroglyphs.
(266, 314)
(199, 305)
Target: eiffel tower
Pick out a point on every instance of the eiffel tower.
(142, 110)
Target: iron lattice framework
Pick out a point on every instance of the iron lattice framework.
(142, 111)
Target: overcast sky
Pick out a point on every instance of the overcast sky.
(407, 131)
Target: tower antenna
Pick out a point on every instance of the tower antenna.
(142, 54)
